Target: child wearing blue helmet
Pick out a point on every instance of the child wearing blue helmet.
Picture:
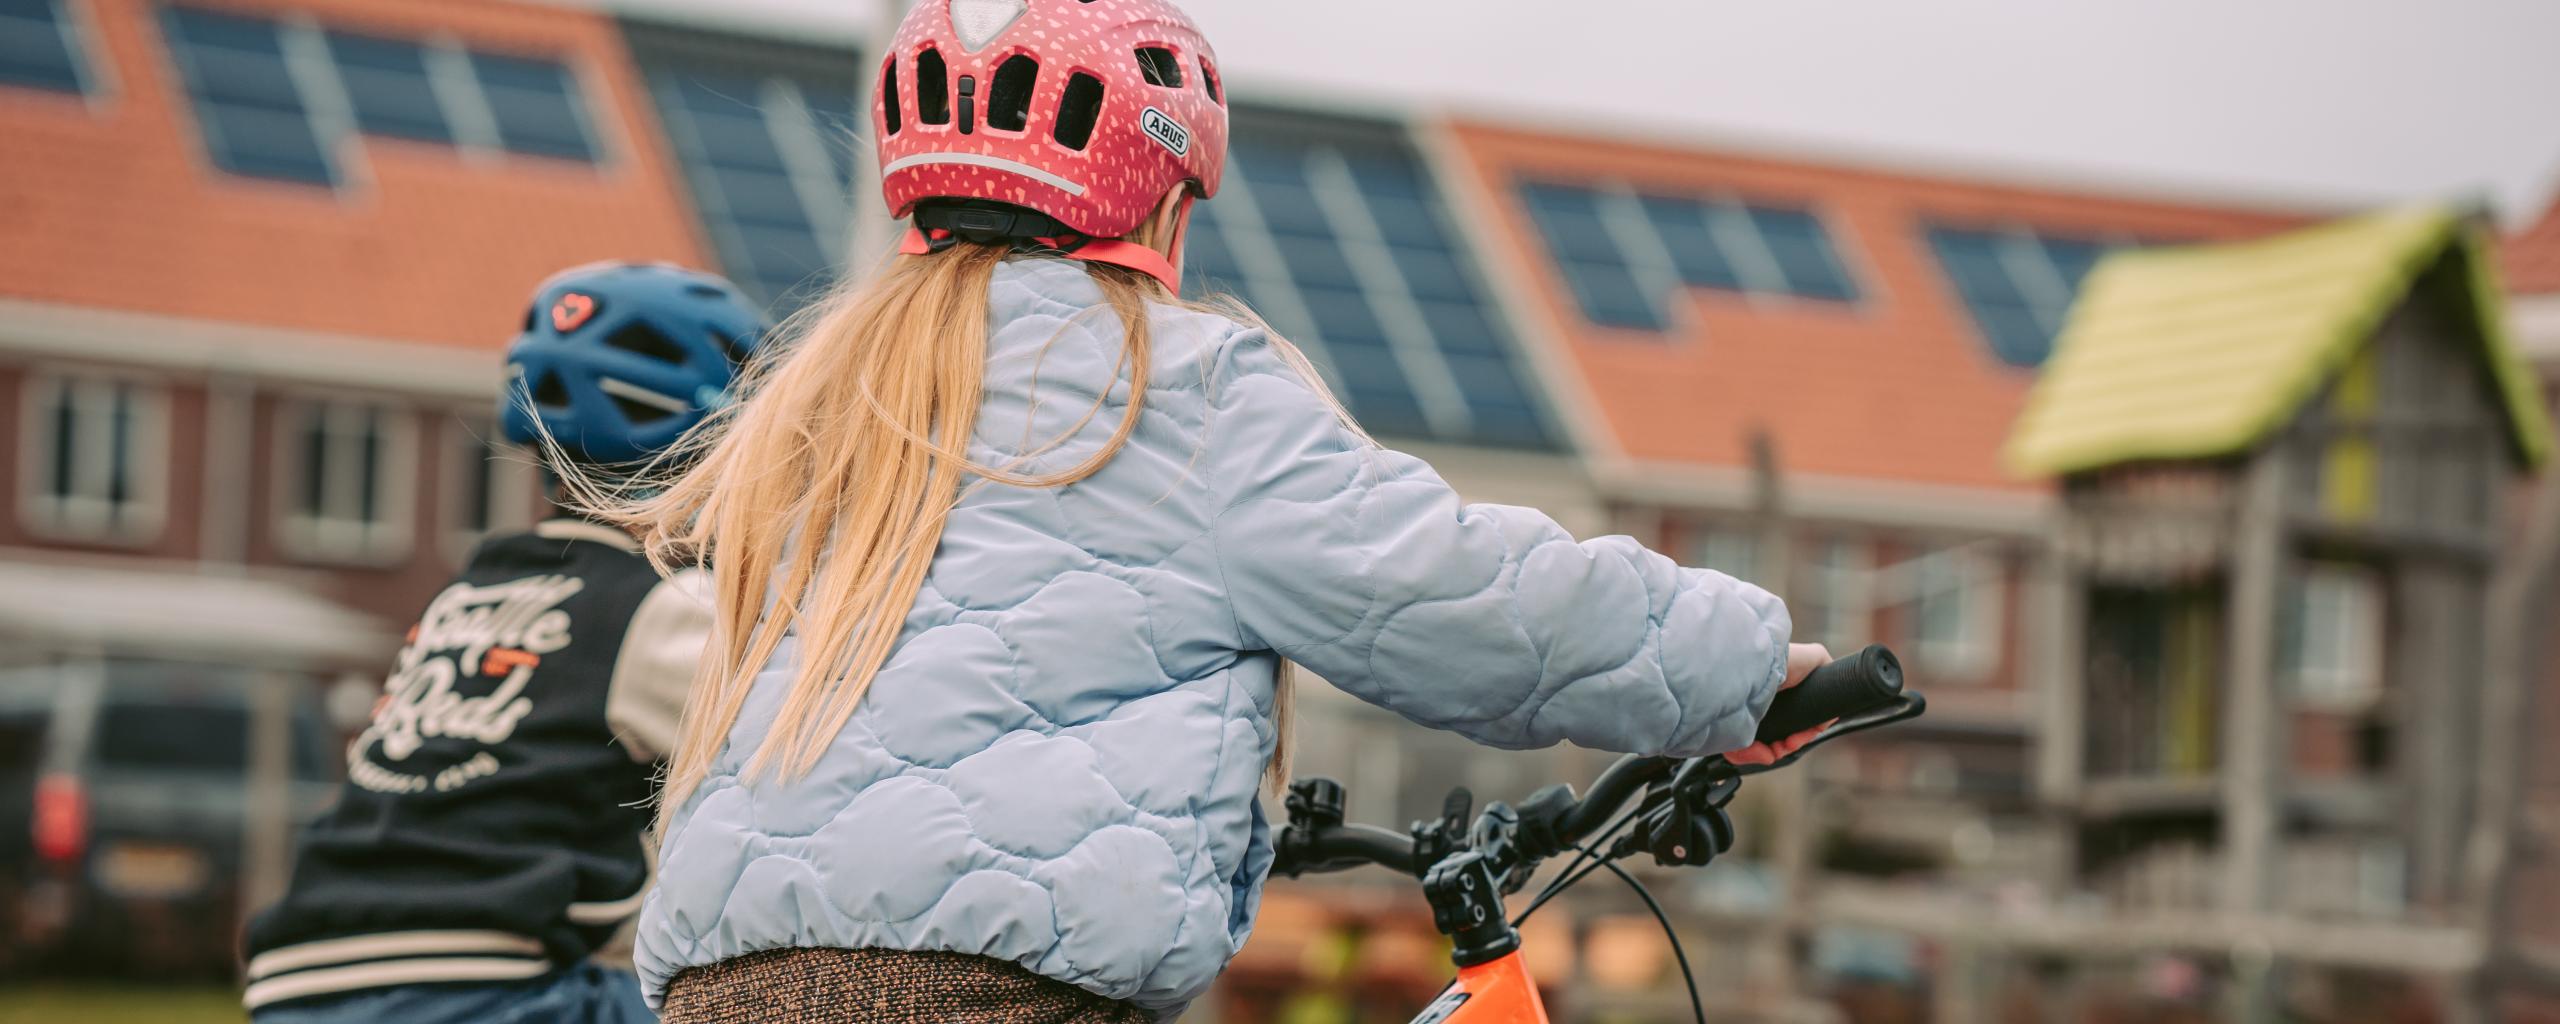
(489, 836)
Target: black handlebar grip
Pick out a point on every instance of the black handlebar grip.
(1859, 683)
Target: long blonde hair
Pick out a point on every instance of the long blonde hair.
(817, 502)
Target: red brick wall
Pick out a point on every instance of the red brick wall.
(112, 203)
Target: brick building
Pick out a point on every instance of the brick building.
(257, 258)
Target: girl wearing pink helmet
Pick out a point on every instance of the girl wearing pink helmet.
(1010, 549)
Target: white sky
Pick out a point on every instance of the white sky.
(2306, 101)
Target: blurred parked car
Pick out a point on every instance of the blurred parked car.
(124, 801)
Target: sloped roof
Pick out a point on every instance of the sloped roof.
(2532, 256)
(2201, 351)
(112, 202)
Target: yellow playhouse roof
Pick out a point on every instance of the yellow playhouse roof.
(2202, 351)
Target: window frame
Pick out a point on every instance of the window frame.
(575, 89)
(1978, 588)
(2358, 681)
(92, 76)
(2009, 239)
(319, 84)
(294, 55)
(508, 504)
(794, 127)
(85, 517)
(1731, 222)
(1330, 168)
(332, 539)
(1845, 593)
(1741, 557)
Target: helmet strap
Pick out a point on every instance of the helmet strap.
(939, 226)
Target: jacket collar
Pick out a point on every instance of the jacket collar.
(580, 529)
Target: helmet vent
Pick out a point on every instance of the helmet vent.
(892, 108)
(1009, 98)
(933, 88)
(730, 345)
(642, 339)
(548, 392)
(1160, 66)
(1209, 81)
(1079, 111)
(979, 22)
(640, 414)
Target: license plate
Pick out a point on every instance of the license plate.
(151, 872)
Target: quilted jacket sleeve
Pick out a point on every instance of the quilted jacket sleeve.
(1490, 621)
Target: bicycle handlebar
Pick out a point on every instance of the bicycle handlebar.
(1861, 682)
(1858, 692)
(1343, 847)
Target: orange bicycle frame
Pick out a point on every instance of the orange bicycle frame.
(1494, 992)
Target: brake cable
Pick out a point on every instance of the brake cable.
(1696, 1005)
(1589, 849)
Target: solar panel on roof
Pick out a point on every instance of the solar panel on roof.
(2017, 284)
(1620, 251)
(1343, 244)
(768, 158)
(36, 48)
(536, 104)
(388, 87)
(253, 119)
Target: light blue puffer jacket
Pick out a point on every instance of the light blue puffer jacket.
(1058, 765)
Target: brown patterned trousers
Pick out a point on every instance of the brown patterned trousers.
(881, 986)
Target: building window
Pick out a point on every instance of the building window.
(535, 105)
(1733, 551)
(348, 476)
(1343, 240)
(490, 485)
(248, 104)
(1593, 263)
(39, 48)
(1622, 253)
(390, 87)
(2333, 640)
(96, 457)
(278, 99)
(770, 163)
(1953, 599)
(1835, 606)
(2019, 285)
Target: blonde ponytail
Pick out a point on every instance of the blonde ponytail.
(816, 504)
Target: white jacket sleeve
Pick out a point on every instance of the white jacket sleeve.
(1490, 621)
(653, 674)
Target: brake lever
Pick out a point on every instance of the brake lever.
(1905, 708)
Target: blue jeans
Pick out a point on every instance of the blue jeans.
(585, 994)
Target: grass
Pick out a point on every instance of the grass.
(100, 1004)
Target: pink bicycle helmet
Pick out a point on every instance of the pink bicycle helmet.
(1052, 122)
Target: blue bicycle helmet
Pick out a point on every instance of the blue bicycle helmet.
(618, 360)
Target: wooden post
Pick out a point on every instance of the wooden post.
(266, 847)
(2436, 624)
(2253, 740)
(1791, 844)
(2057, 616)
(2524, 594)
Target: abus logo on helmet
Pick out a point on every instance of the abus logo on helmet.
(1166, 131)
